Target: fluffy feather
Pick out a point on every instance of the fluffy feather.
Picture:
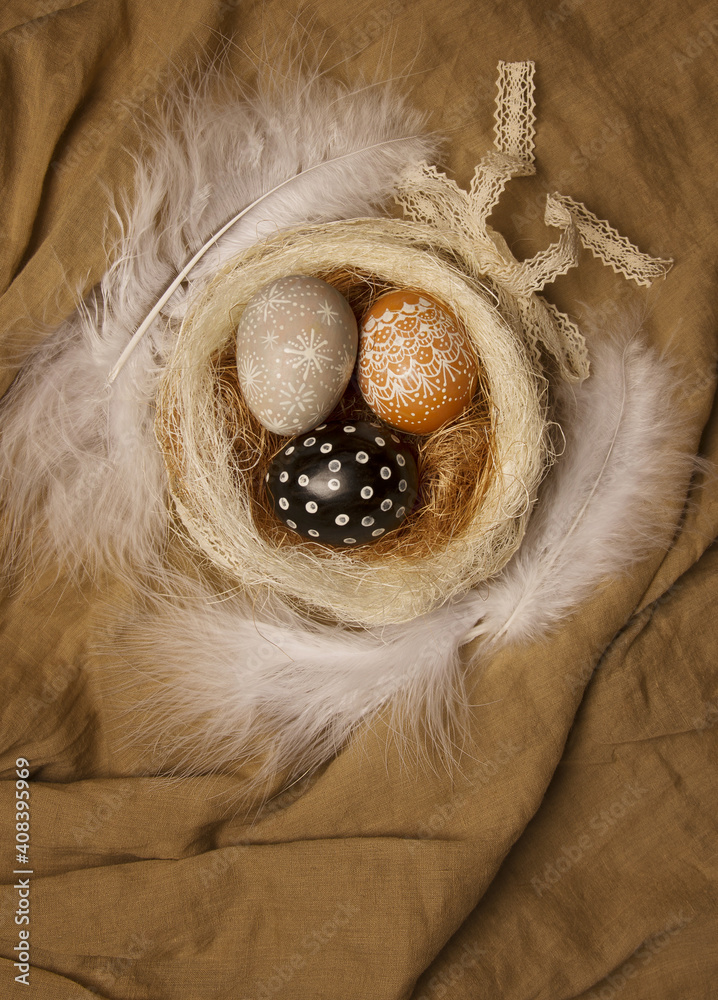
(306, 166)
(611, 498)
(247, 682)
(81, 479)
(238, 682)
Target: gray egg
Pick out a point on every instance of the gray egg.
(296, 347)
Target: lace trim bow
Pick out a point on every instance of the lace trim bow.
(426, 195)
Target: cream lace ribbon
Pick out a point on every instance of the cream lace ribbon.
(429, 196)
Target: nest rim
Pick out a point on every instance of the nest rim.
(344, 583)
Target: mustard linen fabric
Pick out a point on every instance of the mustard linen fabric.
(573, 854)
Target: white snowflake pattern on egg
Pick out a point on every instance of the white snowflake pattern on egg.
(296, 347)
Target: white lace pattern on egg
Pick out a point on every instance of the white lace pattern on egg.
(423, 345)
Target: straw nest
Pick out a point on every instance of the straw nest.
(479, 474)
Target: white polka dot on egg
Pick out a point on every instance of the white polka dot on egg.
(321, 504)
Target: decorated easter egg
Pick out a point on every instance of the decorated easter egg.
(296, 348)
(345, 483)
(416, 366)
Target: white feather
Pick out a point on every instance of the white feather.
(244, 682)
(323, 153)
(612, 497)
(81, 479)
(238, 682)
(82, 484)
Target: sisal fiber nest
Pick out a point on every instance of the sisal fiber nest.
(479, 474)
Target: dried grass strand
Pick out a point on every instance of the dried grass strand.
(479, 474)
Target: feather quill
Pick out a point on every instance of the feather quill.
(611, 498)
(302, 195)
(81, 478)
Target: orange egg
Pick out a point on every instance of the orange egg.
(416, 368)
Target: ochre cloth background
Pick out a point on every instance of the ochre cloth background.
(574, 853)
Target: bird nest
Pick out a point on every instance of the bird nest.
(479, 474)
